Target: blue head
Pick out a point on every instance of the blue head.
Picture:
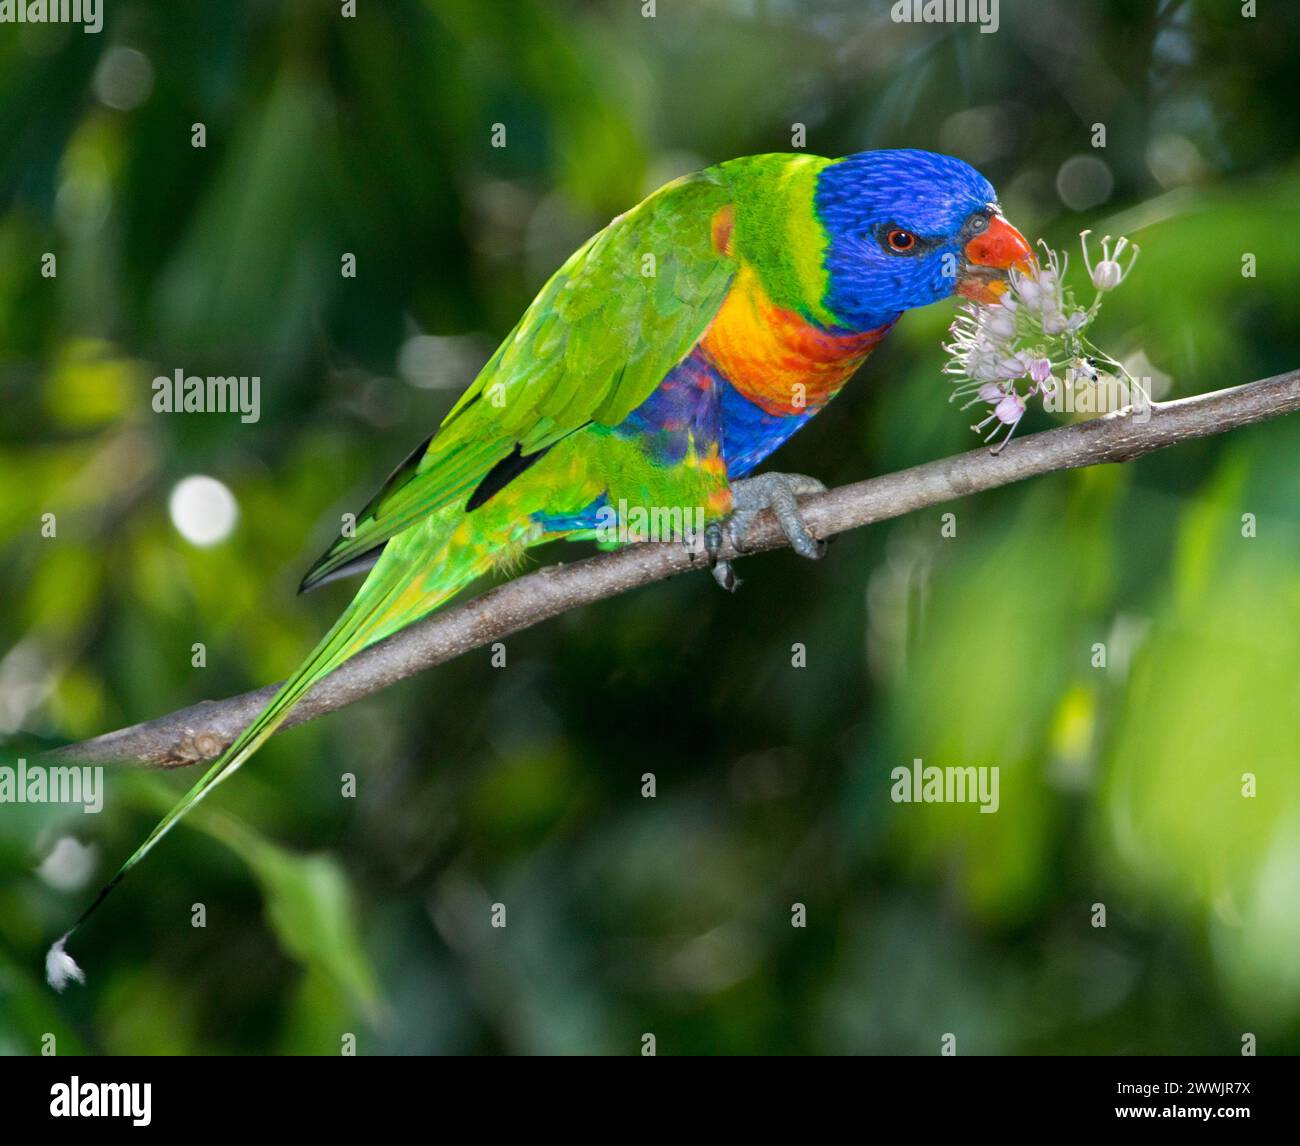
(907, 228)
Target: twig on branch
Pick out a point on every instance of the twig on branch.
(203, 730)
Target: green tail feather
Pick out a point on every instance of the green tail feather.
(375, 612)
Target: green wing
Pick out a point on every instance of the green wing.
(592, 347)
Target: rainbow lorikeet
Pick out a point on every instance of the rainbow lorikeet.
(669, 356)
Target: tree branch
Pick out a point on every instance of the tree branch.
(203, 730)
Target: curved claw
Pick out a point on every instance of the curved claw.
(722, 571)
(780, 493)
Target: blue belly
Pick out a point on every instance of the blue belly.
(750, 433)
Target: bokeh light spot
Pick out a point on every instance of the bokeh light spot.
(203, 510)
(1084, 181)
(124, 78)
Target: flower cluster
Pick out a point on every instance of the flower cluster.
(1031, 343)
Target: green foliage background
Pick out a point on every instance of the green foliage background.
(1120, 786)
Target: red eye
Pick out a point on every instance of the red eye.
(900, 240)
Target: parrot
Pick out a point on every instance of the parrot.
(664, 361)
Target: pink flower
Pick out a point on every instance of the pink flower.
(1011, 409)
(1035, 323)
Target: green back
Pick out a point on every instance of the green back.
(624, 309)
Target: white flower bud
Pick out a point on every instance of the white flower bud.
(1029, 292)
(1107, 275)
(1001, 326)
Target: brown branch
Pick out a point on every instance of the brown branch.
(201, 731)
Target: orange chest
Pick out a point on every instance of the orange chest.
(783, 364)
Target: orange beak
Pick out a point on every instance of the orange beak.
(990, 257)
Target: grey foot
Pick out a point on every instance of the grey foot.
(778, 492)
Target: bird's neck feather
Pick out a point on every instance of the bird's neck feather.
(776, 357)
(777, 232)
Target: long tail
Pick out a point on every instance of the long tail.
(419, 571)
